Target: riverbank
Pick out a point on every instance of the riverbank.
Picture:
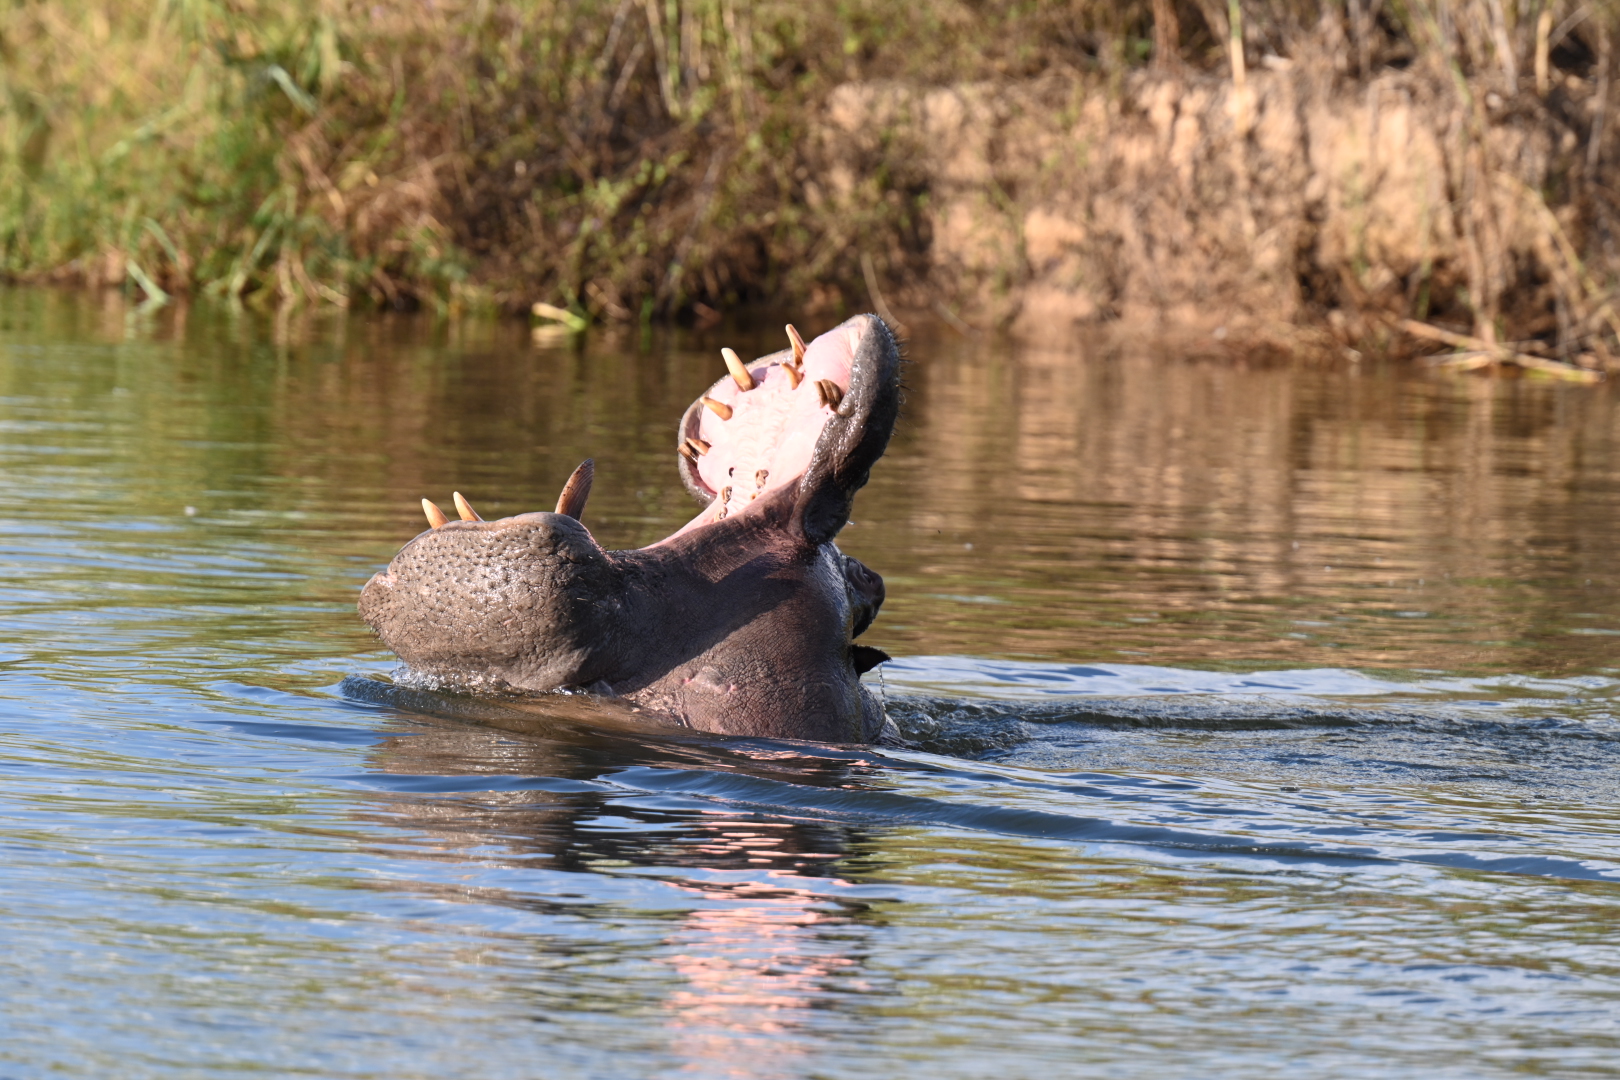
(1393, 180)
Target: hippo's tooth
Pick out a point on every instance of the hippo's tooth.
(699, 447)
(793, 376)
(464, 508)
(798, 345)
(830, 393)
(571, 502)
(687, 452)
(734, 365)
(435, 516)
(719, 408)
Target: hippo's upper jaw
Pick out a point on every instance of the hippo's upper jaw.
(742, 621)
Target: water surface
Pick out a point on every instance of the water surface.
(1268, 716)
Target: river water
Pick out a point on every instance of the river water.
(1268, 715)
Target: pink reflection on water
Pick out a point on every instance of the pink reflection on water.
(753, 964)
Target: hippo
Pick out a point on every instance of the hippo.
(741, 622)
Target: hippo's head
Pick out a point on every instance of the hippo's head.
(740, 622)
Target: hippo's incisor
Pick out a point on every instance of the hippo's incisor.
(742, 621)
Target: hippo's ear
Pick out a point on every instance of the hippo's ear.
(857, 433)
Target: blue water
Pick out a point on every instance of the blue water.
(1143, 830)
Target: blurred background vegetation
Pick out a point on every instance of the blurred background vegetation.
(634, 159)
(616, 155)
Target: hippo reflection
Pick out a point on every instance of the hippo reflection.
(741, 622)
(490, 762)
(737, 924)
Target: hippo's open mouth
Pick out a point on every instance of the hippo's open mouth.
(759, 429)
(740, 621)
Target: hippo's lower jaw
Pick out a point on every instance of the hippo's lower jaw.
(741, 622)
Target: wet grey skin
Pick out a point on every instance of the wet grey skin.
(741, 623)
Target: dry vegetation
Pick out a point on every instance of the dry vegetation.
(666, 158)
(611, 155)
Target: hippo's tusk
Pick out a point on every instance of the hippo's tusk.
(719, 408)
(699, 447)
(435, 516)
(571, 503)
(798, 346)
(464, 508)
(734, 365)
(793, 376)
(830, 393)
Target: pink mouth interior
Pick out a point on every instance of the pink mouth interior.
(771, 435)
